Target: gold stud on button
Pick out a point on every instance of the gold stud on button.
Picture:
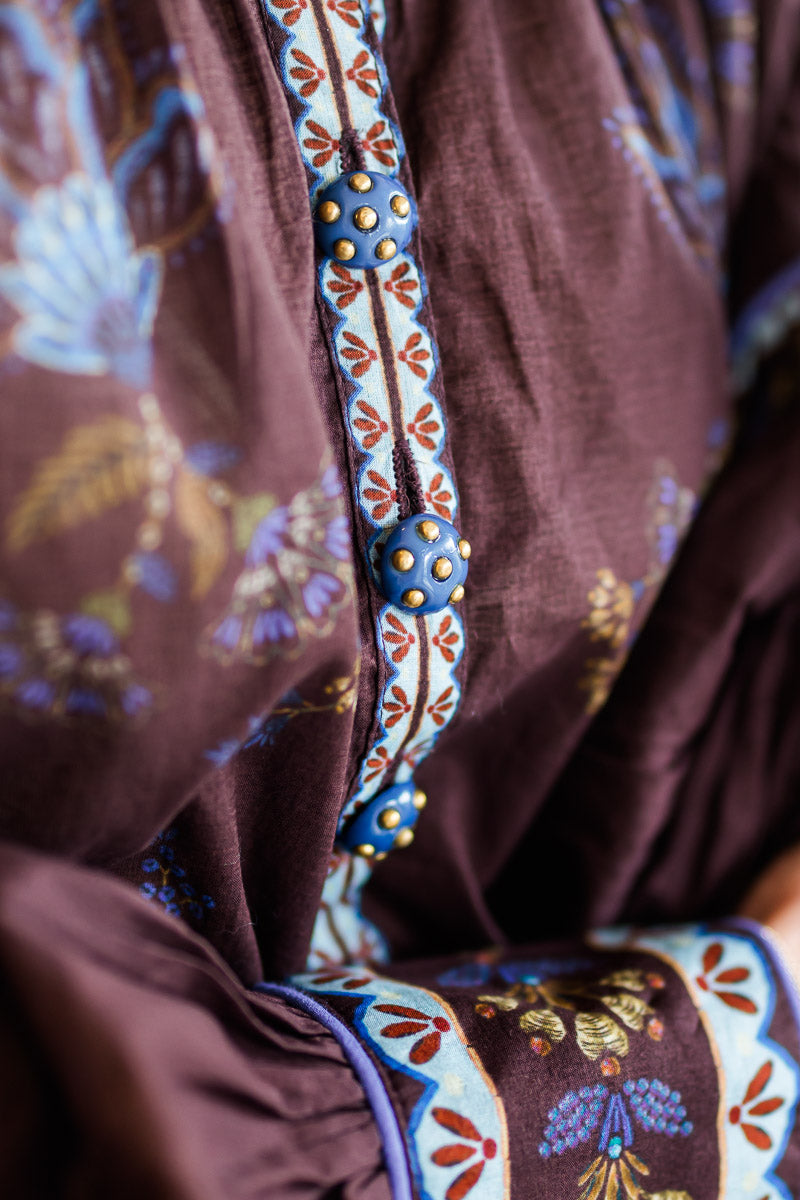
(402, 560)
(389, 818)
(344, 249)
(457, 594)
(386, 249)
(365, 218)
(442, 568)
(365, 850)
(413, 598)
(464, 548)
(403, 838)
(428, 530)
(380, 857)
(360, 182)
(400, 206)
(329, 211)
(419, 800)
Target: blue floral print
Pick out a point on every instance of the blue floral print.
(86, 295)
(70, 666)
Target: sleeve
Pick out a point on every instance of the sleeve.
(134, 1061)
(142, 478)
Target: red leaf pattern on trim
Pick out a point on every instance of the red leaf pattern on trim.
(377, 762)
(438, 497)
(359, 354)
(440, 706)
(293, 10)
(323, 142)
(346, 10)
(362, 74)
(380, 144)
(422, 426)
(307, 71)
(455, 1123)
(371, 423)
(448, 1156)
(444, 638)
(382, 495)
(424, 1050)
(709, 982)
(413, 357)
(344, 286)
(398, 636)
(400, 287)
(465, 1182)
(742, 1114)
(398, 707)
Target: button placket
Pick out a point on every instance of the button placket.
(376, 320)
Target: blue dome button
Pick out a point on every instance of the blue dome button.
(364, 218)
(384, 823)
(424, 565)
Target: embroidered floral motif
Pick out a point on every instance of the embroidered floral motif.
(377, 763)
(296, 574)
(380, 494)
(292, 10)
(348, 10)
(734, 36)
(86, 296)
(322, 143)
(648, 1102)
(440, 707)
(69, 667)
(613, 601)
(339, 697)
(753, 1071)
(598, 1034)
(669, 133)
(166, 883)
(82, 286)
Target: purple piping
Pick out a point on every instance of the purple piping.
(394, 1148)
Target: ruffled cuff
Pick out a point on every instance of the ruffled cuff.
(641, 1063)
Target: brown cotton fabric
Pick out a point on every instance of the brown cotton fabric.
(582, 338)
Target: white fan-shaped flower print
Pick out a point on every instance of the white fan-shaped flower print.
(86, 296)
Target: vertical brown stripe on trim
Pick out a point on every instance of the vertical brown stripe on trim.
(386, 349)
(334, 65)
(424, 681)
